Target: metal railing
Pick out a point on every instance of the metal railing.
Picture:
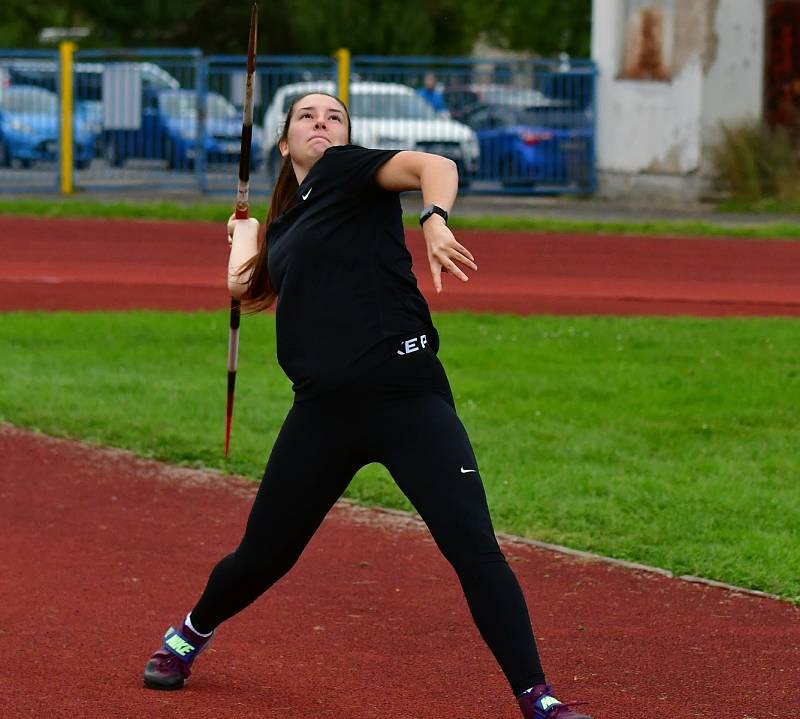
(30, 119)
(159, 119)
(510, 125)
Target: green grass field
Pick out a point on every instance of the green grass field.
(219, 212)
(672, 442)
(764, 206)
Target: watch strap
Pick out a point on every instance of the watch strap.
(432, 210)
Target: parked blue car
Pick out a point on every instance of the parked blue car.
(29, 128)
(527, 146)
(169, 130)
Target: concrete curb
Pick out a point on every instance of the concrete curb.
(410, 517)
(591, 209)
(239, 484)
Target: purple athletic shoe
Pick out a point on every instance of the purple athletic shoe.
(170, 666)
(539, 703)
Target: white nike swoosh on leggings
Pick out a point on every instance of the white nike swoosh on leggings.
(464, 471)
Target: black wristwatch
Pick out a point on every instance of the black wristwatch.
(432, 210)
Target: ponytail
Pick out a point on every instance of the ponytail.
(260, 294)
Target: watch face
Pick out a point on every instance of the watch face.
(430, 210)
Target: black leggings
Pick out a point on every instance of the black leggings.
(401, 415)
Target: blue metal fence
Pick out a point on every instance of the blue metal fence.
(172, 118)
(29, 120)
(511, 125)
(144, 104)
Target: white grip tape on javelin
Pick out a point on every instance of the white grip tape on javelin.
(233, 350)
(243, 193)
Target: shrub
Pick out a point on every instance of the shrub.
(753, 161)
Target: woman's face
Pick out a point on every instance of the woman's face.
(317, 122)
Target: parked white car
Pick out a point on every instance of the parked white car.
(385, 116)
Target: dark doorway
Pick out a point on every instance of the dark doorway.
(782, 67)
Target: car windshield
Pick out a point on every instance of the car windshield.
(178, 104)
(184, 104)
(29, 99)
(405, 106)
(372, 105)
(292, 96)
(156, 77)
(516, 98)
(219, 108)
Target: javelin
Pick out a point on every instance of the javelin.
(242, 212)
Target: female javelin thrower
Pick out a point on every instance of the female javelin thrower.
(355, 336)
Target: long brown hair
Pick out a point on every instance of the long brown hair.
(260, 294)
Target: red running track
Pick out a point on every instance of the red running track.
(123, 264)
(99, 549)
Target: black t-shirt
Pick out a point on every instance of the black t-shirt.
(340, 266)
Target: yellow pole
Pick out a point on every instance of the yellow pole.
(66, 50)
(342, 55)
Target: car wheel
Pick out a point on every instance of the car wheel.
(26, 163)
(582, 177)
(113, 155)
(171, 154)
(5, 155)
(177, 158)
(82, 164)
(507, 170)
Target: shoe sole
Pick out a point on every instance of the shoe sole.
(157, 682)
(153, 684)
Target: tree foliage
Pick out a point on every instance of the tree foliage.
(543, 27)
(379, 27)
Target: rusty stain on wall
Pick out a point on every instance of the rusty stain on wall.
(644, 45)
(711, 52)
(694, 32)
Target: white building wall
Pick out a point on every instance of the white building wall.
(651, 134)
(734, 83)
(648, 126)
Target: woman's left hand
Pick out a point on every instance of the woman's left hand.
(233, 223)
(444, 251)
